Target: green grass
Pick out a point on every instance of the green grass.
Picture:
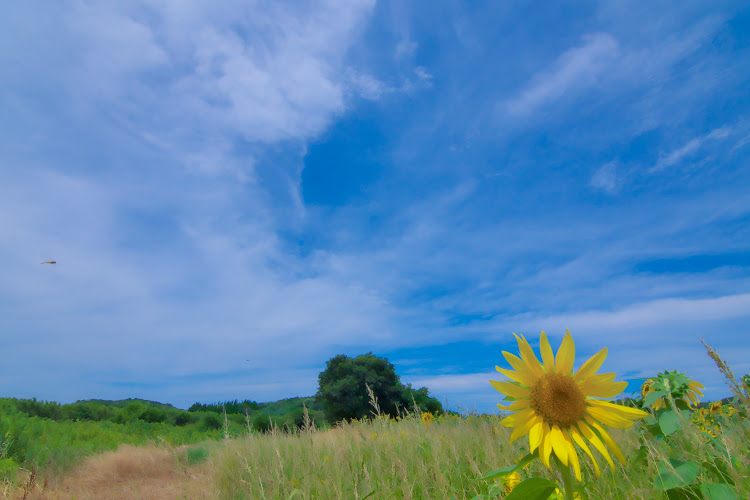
(382, 458)
(446, 459)
(53, 447)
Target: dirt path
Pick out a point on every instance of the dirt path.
(148, 473)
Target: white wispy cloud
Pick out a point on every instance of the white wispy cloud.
(605, 178)
(575, 70)
(689, 148)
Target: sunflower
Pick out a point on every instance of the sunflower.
(715, 407)
(682, 389)
(556, 407)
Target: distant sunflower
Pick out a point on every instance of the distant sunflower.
(677, 384)
(715, 407)
(556, 407)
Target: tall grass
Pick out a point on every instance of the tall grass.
(412, 457)
(407, 459)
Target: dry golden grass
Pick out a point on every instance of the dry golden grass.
(147, 472)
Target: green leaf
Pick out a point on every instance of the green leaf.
(533, 488)
(655, 430)
(653, 396)
(670, 422)
(640, 457)
(370, 494)
(718, 491)
(684, 474)
(719, 470)
(692, 493)
(507, 471)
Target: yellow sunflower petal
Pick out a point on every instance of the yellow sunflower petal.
(515, 405)
(607, 439)
(594, 439)
(591, 366)
(609, 418)
(545, 448)
(566, 355)
(517, 376)
(531, 370)
(558, 444)
(572, 455)
(623, 411)
(528, 356)
(601, 386)
(523, 429)
(510, 389)
(580, 442)
(535, 435)
(547, 356)
(517, 419)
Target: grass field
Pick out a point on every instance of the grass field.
(413, 457)
(677, 451)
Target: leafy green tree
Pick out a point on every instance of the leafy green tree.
(423, 400)
(261, 422)
(342, 387)
(211, 421)
(153, 415)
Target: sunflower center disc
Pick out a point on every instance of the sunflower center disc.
(558, 400)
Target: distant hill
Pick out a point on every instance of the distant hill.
(122, 403)
(280, 407)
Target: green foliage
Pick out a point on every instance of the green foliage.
(342, 389)
(231, 407)
(57, 444)
(181, 419)
(533, 488)
(708, 472)
(194, 455)
(261, 422)
(423, 400)
(670, 385)
(211, 421)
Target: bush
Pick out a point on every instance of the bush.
(261, 422)
(183, 418)
(153, 415)
(211, 421)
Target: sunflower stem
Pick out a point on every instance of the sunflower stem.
(567, 481)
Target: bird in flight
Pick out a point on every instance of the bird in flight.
(49, 262)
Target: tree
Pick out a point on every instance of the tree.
(342, 387)
(422, 398)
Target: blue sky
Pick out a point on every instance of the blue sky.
(234, 193)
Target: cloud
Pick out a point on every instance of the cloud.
(649, 314)
(367, 86)
(405, 49)
(689, 149)
(574, 71)
(605, 178)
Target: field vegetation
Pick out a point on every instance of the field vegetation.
(291, 449)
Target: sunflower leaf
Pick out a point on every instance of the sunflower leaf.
(641, 455)
(718, 491)
(676, 474)
(691, 493)
(533, 488)
(652, 397)
(670, 422)
(719, 470)
(507, 471)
